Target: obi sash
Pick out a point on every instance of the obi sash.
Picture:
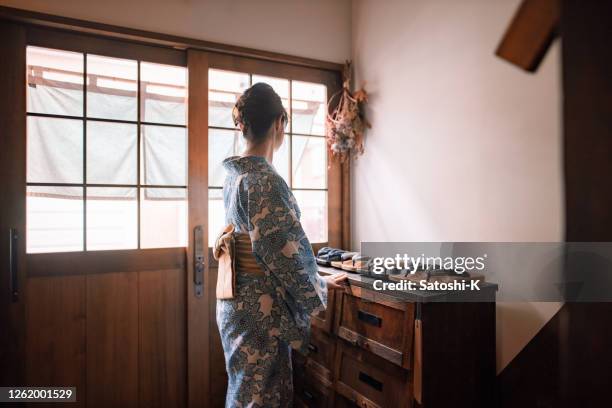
(234, 252)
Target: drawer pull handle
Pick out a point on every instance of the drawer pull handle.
(312, 348)
(369, 318)
(308, 395)
(377, 385)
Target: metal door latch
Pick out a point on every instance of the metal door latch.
(198, 260)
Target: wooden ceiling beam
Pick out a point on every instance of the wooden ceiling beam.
(530, 34)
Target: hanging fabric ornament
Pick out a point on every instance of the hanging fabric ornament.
(346, 124)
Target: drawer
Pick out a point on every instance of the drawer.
(373, 322)
(309, 391)
(367, 380)
(342, 402)
(320, 360)
(324, 320)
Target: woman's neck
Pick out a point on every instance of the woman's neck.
(264, 149)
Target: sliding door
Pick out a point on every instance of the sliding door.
(103, 285)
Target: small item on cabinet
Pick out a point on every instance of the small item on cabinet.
(321, 254)
(326, 255)
(324, 251)
(346, 257)
(358, 264)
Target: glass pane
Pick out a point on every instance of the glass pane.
(111, 153)
(112, 218)
(224, 88)
(281, 159)
(55, 81)
(313, 205)
(112, 88)
(164, 152)
(280, 85)
(54, 219)
(163, 217)
(55, 150)
(309, 104)
(221, 145)
(216, 214)
(164, 93)
(309, 161)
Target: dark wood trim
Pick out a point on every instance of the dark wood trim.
(255, 66)
(86, 43)
(198, 308)
(346, 206)
(335, 210)
(530, 34)
(12, 205)
(338, 176)
(151, 38)
(93, 262)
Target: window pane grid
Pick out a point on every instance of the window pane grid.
(315, 197)
(138, 159)
(162, 193)
(127, 122)
(84, 152)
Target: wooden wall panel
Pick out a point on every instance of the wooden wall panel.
(112, 340)
(162, 338)
(55, 339)
(585, 354)
(567, 364)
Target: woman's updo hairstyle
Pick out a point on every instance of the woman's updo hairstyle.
(257, 109)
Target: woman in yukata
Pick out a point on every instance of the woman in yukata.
(269, 314)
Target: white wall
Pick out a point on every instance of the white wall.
(317, 29)
(465, 146)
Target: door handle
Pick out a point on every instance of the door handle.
(13, 277)
(198, 260)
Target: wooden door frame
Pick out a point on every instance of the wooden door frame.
(198, 308)
(12, 211)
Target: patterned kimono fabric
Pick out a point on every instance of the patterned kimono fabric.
(269, 315)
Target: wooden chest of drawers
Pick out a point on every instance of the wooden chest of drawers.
(373, 349)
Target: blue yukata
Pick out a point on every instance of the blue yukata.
(269, 315)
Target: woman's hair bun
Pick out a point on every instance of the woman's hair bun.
(257, 109)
